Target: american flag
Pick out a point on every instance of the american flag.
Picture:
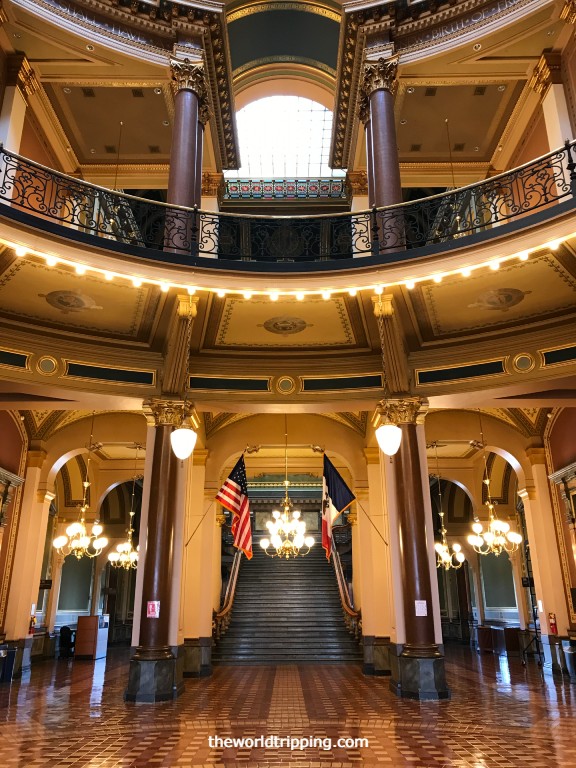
(234, 496)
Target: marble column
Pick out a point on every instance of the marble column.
(185, 175)
(464, 602)
(154, 673)
(420, 671)
(378, 88)
(543, 529)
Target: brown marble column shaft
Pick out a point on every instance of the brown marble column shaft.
(376, 109)
(154, 637)
(420, 638)
(198, 171)
(464, 600)
(369, 162)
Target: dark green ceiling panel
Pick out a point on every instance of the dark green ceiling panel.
(283, 33)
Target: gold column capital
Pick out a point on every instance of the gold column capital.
(170, 413)
(212, 183)
(35, 458)
(568, 13)
(357, 182)
(372, 455)
(380, 75)
(405, 410)
(220, 519)
(199, 457)
(546, 73)
(19, 73)
(190, 75)
(352, 517)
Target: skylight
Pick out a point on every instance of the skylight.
(284, 137)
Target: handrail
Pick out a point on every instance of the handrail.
(352, 617)
(221, 618)
(176, 234)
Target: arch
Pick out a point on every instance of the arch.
(339, 441)
(289, 85)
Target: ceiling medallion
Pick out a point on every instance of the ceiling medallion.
(285, 325)
(285, 385)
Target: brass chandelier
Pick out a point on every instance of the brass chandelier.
(498, 536)
(78, 541)
(444, 557)
(126, 556)
(287, 530)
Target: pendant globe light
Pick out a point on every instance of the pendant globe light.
(183, 438)
(388, 433)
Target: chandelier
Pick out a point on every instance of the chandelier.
(78, 541)
(444, 557)
(498, 536)
(287, 530)
(126, 556)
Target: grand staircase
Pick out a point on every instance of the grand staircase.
(287, 612)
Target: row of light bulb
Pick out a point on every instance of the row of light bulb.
(274, 295)
(78, 537)
(497, 534)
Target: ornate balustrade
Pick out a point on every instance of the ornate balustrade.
(185, 236)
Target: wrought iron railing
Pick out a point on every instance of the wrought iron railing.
(180, 235)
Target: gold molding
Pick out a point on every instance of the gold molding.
(262, 7)
(283, 59)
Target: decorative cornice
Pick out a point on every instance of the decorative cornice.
(546, 73)
(249, 9)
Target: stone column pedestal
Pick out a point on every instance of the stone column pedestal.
(197, 653)
(376, 655)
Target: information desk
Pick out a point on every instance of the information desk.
(91, 637)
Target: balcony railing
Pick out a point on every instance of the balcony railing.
(183, 235)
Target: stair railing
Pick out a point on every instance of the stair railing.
(352, 617)
(221, 618)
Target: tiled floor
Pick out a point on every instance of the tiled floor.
(72, 714)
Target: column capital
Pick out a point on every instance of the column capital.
(546, 73)
(188, 75)
(406, 410)
(352, 518)
(357, 182)
(220, 519)
(170, 413)
(568, 13)
(212, 183)
(199, 457)
(372, 455)
(528, 493)
(379, 75)
(35, 458)
(536, 456)
(19, 73)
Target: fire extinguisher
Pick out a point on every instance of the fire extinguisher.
(552, 622)
(32, 625)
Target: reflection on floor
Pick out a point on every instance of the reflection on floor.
(68, 713)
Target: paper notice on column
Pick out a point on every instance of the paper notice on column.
(421, 607)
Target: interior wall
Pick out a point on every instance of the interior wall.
(562, 440)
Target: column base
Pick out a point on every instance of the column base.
(376, 655)
(554, 660)
(23, 656)
(422, 678)
(197, 655)
(154, 680)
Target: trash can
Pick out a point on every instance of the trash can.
(8, 664)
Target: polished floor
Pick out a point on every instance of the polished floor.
(67, 713)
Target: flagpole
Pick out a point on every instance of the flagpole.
(199, 524)
(371, 522)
